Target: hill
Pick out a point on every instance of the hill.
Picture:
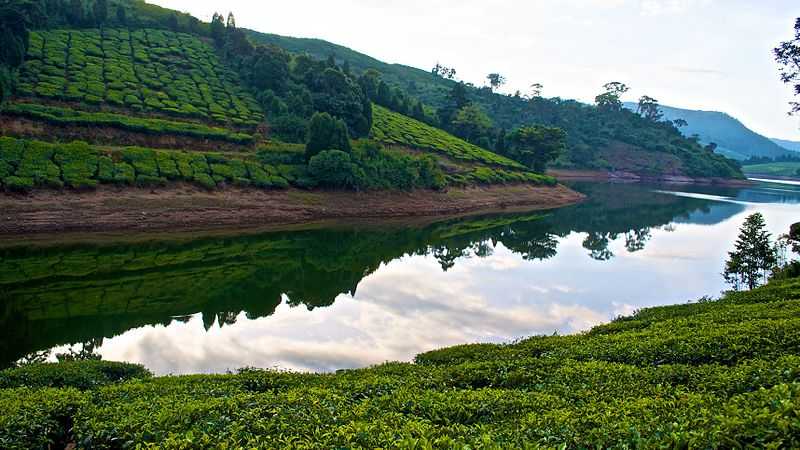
(789, 145)
(712, 374)
(143, 101)
(596, 140)
(732, 137)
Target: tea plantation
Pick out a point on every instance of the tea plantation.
(25, 165)
(392, 128)
(721, 374)
(145, 70)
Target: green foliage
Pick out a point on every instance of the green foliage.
(715, 374)
(392, 128)
(536, 145)
(25, 165)
(754, 258)
(80, 375)
(334, 168)
(326, 133)
(146, 70)
(63, 116)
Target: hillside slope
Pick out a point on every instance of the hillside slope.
(789, 145)
(596, 140)
(732, 137)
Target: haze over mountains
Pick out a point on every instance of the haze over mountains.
(732, 137)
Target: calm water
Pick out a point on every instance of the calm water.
(330, 299)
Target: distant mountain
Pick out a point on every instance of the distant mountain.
(791, 145)
(733, 139)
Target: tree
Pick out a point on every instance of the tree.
(445, 72)
(495, 80)
(536, 145)
(100, 11)
(230, 24)
(787, 54)
(536, 91)
(680, 123)
(326, 133)
(122, 16)
(76, 12)
(334, 168)
(754, 256)
(172, 22)
(471, 123)
(610, 99)
(217, 28)
(649, 109)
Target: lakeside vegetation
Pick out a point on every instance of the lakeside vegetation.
(708, 374)
(781, 169)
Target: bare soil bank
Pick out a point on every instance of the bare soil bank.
(187, 208)
(602, 175)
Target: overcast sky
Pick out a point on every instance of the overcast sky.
(698, 54)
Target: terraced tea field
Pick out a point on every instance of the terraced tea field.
(148, 71)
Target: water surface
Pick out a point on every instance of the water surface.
(327, 299)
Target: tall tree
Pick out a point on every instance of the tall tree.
(217, 28)
(471, 123)
(754, 256)
(122, 16)
(495, 80)
(611, 99)
(230, 24)
(787, 54)
(326, 133)
(536, 91)
(649, 109)
(100, 12)
(536, 145)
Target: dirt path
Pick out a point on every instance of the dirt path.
(187, 208)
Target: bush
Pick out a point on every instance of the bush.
(81, 375)
(334, 168)
(326, 133)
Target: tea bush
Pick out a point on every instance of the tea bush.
(716, 374)
(143, 70)
(393, 128)
(64, 116)
(30, 164)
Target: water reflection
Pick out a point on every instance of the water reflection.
(367, 294)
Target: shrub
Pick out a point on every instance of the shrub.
(326, 133)
(74, 374)
(333, 168)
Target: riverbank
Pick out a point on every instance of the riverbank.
(630, 177)
(187, 208)
(711, 374)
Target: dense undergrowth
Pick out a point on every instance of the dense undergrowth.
(720, 374)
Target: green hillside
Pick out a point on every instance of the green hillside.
(781, 169)
(789, 145)
(148, 70)
(712, 374)
(594, 136)
(733, 138)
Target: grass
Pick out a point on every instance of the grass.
(25, 165)
(143, 71)
(781, 169)
(392, 128)
(720, 374)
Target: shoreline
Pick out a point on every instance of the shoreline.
(629, 177)
(185, 208)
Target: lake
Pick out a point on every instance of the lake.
(345, 297)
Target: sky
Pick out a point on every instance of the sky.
(698, 54)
